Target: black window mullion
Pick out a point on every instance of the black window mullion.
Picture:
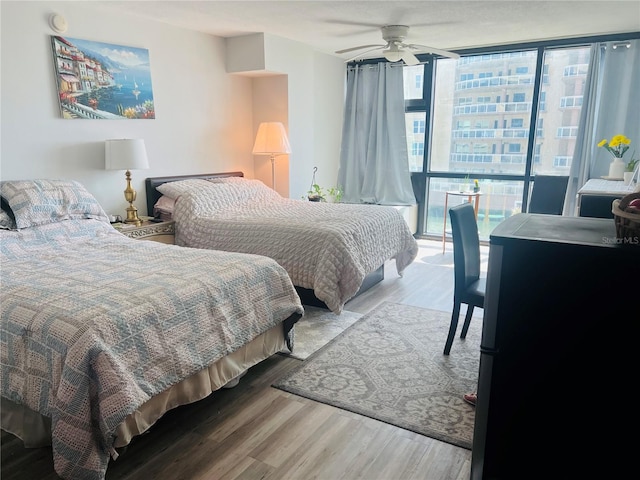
(533, 125)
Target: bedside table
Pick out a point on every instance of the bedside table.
(163, 232)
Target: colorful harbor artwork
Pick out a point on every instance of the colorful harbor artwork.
(98, 80)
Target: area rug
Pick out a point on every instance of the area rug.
(389, 366)
(316, 328)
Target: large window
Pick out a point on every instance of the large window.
(499, 117)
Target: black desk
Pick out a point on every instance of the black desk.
(597, 195)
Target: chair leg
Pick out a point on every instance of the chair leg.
(467, 321)
(452, 327)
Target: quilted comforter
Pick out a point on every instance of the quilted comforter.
(94, 324)
(326, 247)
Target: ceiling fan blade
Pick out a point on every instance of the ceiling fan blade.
(352, 49)
(409, 58)
(437, 51)
(363, 53)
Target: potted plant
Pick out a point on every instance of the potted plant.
(317, 194)
(466, 185)
(334, 194)
(630, 169)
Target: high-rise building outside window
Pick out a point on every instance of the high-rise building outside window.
(480, 125)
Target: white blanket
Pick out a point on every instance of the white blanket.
(94, 324)
(326, 247)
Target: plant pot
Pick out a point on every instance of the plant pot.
(627, 178)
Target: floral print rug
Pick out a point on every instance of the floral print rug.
(389, 366)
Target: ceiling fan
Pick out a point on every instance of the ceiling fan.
(395, 49)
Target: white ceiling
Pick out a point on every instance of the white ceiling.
(446, 24)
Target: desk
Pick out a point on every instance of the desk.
(595, 197)
(470, 197)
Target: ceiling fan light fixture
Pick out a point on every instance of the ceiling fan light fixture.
(392, 55)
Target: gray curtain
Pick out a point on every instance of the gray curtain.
(610, 106)
(374, 163)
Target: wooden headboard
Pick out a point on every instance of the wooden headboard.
(152, 183)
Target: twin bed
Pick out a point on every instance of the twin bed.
(331, 251)
(102, 334)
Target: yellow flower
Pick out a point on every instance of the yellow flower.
(618, 140)
(618, 145)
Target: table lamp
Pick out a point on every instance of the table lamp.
(127, 154)
(271, 140)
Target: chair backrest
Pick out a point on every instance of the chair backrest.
(548, 193)
(466, 245)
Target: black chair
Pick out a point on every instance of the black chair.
(469, 286)
(548, 194)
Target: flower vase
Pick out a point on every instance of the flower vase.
(616, 169)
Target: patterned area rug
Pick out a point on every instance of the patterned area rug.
(389, 366)
(318, 327)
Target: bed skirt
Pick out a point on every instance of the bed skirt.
(34, 429)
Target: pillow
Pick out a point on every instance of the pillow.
(38, 202)
(164, 207)
(241, 190)
(175, 189)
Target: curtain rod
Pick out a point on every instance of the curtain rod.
(376, 65)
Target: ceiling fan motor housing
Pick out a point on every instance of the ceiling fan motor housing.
(395, 33)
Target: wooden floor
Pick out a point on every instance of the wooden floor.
(254, 431)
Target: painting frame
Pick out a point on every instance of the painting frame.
(102, 81)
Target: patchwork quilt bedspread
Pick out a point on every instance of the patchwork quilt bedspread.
(326, 247)
(94, 324)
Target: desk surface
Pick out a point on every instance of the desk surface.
(597, 186)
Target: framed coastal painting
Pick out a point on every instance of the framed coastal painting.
(98, 80)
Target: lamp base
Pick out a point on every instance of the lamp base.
(132, 216)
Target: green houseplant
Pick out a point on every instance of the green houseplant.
(318, 194)
(315, 194)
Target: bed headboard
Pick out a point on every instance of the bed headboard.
(152, 182)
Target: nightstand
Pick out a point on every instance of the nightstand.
(163, 232)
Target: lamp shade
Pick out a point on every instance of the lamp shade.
(271, 139)
(125, 154)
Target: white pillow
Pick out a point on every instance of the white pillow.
(174, 189)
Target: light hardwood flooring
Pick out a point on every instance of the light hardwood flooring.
(254, 431)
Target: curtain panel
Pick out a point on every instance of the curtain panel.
(374, 163)
(610, 107)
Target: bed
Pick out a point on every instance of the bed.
(332, 250)
(102, 334)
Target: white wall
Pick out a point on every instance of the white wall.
(204, 115)
(271, 104)
(315, 99)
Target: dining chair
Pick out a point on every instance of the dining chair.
(469, 285)
(548, 194)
